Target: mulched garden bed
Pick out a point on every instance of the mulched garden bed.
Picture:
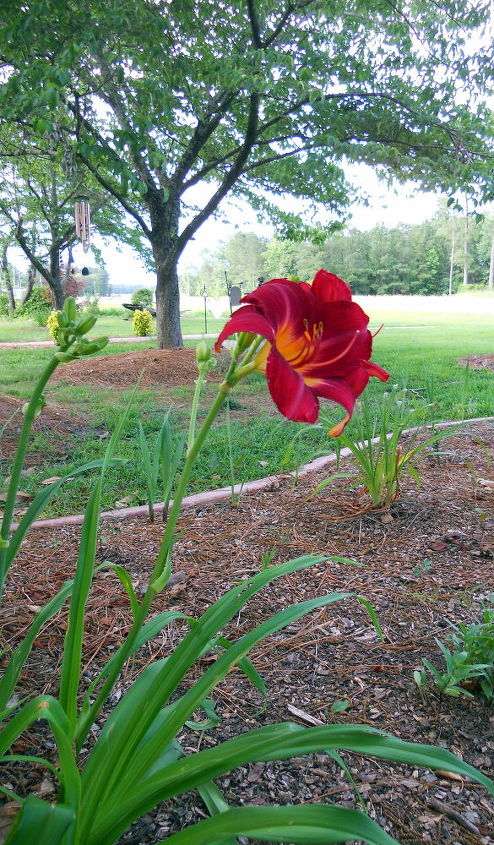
(428, 560)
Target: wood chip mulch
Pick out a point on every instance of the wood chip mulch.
(427, 562)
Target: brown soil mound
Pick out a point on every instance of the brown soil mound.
(169, 367)
(478, 362)
(55, 419)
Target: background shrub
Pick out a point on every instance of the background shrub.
(4, 305)
(91, 306)
(142, 323)
(142, 296)
(37, 307)
(52, 325)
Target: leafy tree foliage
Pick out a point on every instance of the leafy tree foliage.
(159, 98)
(37, 199)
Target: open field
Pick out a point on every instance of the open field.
(424, 358)
(389, 310)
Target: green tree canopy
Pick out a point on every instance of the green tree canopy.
(261, 98)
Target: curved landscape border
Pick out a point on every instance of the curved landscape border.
(209, 497)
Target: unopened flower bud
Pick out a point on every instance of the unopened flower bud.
(244, 340)
(203, 352)
(85, 325)
(70, 308)
(64, 357)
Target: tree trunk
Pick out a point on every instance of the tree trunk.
(465, 247)
(490, 281)
(167, 304)
(7, 277)
(165, 221)
(452, 259)
(55, 280)
(31, 278)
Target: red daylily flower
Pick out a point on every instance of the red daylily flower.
(317, 344)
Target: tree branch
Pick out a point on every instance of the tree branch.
(254, 24)
(101, 179)
(21, 240)
(229, 178)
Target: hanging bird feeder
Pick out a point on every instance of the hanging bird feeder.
(83, 222)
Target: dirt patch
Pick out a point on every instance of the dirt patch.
(430, 560)
(154, 367)
(478, 362)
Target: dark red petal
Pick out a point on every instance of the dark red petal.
(337, 390)
(291, 396)
(246, 319)
(357, 380)
(328, 287)
(284, 302)
(342, 316)
(339, 356)
(376, 370)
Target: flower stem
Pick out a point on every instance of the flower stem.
(159, 575)
(194, 407)
(154, 584)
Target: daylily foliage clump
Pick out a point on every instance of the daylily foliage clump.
(317, 344)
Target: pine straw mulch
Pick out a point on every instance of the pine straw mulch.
(429, 560)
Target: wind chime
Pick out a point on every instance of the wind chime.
(83, 222)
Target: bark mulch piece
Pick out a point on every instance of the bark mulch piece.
(427, 562)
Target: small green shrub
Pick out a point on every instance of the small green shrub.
(377, 453)
(4, 305)
(469, 663)
(53, 325)
(142, 296)
(37, 307)
(142, 323)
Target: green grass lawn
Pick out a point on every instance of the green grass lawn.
(262, 442)
(113, 325)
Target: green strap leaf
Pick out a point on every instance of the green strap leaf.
(274, 742)
(126, 582)
(303, 825)
(215, 803)
(212, 720)
(40, 822)
(72, 652)
(107, 765)
(48, 708)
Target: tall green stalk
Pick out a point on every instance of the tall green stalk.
(162, 568)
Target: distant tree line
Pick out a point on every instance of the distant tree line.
(434, 257)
